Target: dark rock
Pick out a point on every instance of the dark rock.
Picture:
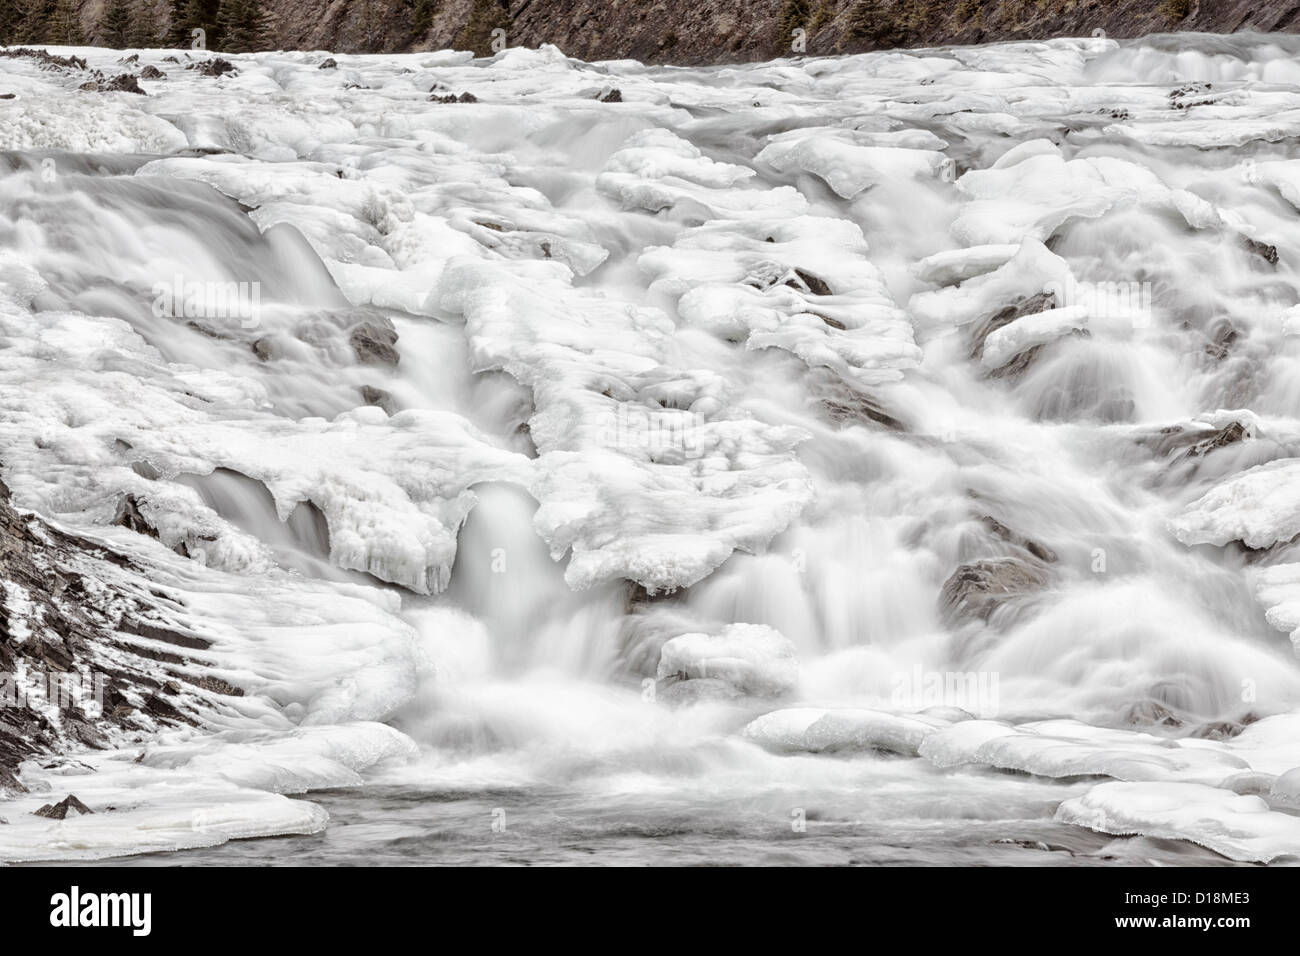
(216, 685)
(379, 398)
(155, 706)
(9, 783)
(60, 810)
(1222, 339)
(129, 516)
(156, 632)
(852, 407)
(374, 343)
(807, 282)
(204, 329)
(1262, 249)
(976, 590)
(1041, 552)
(329, 63)
(1192, 442)
(1014, 368)
(612, 96)
(207, 151)
(46, 59)
(125, 83)
(639, 596)
(1228, 435)
(215, 67)
(848, 404)
(1224, 729)
(152, 72)
(7, 96)
(1152, 713)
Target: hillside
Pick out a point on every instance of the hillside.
(668, 31)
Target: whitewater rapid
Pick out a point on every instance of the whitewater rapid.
(895, 450)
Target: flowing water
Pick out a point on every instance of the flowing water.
(733, 351)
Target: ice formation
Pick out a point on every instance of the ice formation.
(673, 444)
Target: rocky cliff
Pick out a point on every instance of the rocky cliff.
(659, 31)
(707, 31)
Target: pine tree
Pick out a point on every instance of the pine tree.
(421, 19)
(485, 16)
(115, 28)
(245, 26)
(149, 23)
(10, 19)
(65, 25)
(177, 34)
(34, 18)
(190, 15)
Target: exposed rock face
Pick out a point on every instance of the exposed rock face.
(720, 31)
(1185, 443)
(1022, 360)
(60, 810)
(379, 398)
(73, 668)
(214, 67)
(1185, 449)
(712, 31)
(374, 341)
(129, 516)
(123, 83)
(978, 589)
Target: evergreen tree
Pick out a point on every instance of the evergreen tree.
(115, 28)
(485, 16)
(421, 19)
(245, 26)
(149, 23)
(65, 25)
(190, 15)
(10, 19)
(34, 19)
(177, 34)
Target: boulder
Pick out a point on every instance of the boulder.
(976, 590)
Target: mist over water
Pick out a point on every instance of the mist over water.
(857, 450)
